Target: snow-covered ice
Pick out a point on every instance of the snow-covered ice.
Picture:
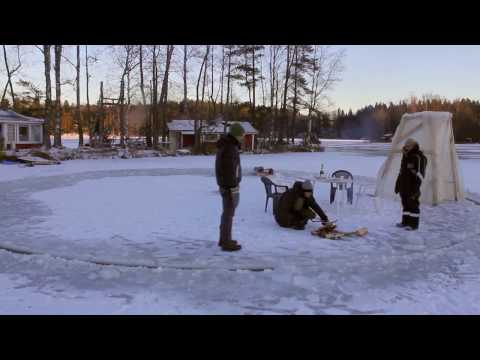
(157, 220)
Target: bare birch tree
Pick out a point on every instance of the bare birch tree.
(100, 118)
(78, 114)
(212, 78)
(89, 118)
(154, 96)
(185, 60)
(205, 73)
(274, 65)
(197, 125)
(57, 140)
(87, 89)
(10, 73)
(325, 70)
(128, 60)
(295, 91)
(284, 113)
(230, 64)
(222, 80)
(76, 86)
(164, 90)
(48, 96)
(144, 99)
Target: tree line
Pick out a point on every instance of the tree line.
(374, 121)
(279, 88)
(282, 89)
(370, 122)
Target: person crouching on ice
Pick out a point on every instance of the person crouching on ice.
(409, 180)
(297, 205)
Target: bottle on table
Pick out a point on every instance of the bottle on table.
(322, 173)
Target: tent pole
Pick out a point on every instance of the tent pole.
(453, 162)
(392, 149)
(391, 154)
(434, 164)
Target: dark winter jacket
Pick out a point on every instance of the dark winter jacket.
(292, 204)
(412, 172)
(227, 164)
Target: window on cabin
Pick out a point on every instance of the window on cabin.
(211, 137)
(23, 133)
(36, 133)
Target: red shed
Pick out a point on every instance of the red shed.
(181, 133)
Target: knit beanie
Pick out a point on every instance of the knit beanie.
(307, 185)
(236, 130)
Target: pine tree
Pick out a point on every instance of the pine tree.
(301, 62)
(247, 71)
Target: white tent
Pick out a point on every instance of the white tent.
(434, 133)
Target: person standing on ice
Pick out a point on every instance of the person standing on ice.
(409, 180)
(297, 205)
(229, 174)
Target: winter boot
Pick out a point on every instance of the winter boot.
(230, 246)
(414, 222)
(220, 243)
(405, 221)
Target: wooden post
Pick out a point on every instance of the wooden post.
(41, 133)
(172, 136)
(101, 117)
(15, 137)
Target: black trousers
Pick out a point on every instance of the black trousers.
(411, 210)
(230, 201)
(301, 217)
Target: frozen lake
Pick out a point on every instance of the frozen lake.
(164, 213)
(464, 151)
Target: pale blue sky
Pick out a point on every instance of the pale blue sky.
(377, 73)
(373, 73)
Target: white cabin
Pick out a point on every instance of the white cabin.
(20, 131)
